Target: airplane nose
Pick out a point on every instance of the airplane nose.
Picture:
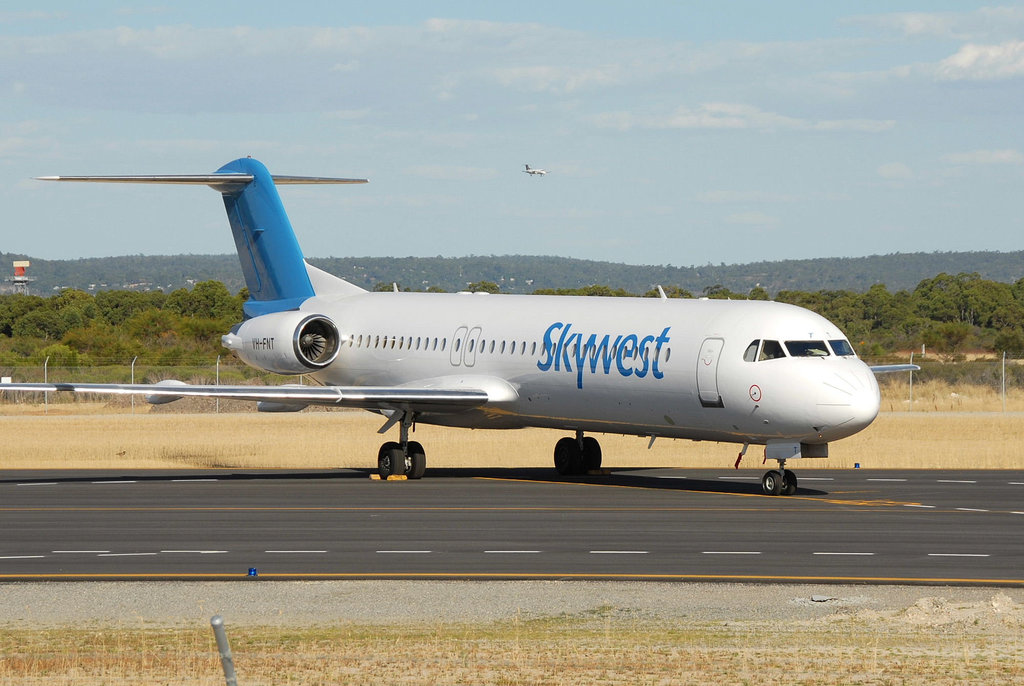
(848, 400)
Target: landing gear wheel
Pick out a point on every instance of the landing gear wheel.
(591, 456)
(771, 483)
(788, 482)
(390, 460)
(417, 460)
(568, 459)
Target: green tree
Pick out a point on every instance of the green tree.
(207, 299)
(42, 323)
(483, 287)
(670, 292)
(117, 306)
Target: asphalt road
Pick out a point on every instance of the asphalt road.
(925, 527)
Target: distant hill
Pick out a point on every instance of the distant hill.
(525, 273)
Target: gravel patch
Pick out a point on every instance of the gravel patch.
(297, 603)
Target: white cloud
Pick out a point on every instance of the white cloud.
(733, 116)
(559, 79)
(985, 23)
(985, 157)
(895, 171)
(984, 62)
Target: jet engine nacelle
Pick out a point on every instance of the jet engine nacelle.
(285, 342)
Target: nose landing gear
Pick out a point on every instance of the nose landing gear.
(780, 481)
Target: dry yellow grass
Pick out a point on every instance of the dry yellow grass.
(948, 428)
(547, 651)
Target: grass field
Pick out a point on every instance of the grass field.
(946, 428)
(546, 651)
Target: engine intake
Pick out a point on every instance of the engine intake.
(286, 342)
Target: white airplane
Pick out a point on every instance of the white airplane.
(745, 372)
(534, 172)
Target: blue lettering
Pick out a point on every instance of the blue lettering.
(645, 356)
(622, 353)
(602, 351)
(660, 340)
(608, 353)
(581, 356)
(545, 364)
(562, 351)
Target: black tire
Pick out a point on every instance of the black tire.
(417, 461)
(591, 457)
(390, 460)
(771, 483)
(568, 459)
(788, 482)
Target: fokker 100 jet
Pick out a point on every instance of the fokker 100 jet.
(534, 172)
(744, 372)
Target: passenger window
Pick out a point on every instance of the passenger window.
(807, 348)
(771, 350)
(750, 354)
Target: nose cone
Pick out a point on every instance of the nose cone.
(848, 399)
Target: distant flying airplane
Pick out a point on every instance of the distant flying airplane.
(744, 372)
(534, 172)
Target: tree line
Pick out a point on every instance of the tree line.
(948, 314)
(524, 273)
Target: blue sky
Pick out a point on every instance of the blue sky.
(679, 133)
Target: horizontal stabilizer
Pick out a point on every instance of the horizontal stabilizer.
(215, 180)
(890, 368)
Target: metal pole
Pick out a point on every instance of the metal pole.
(1004, 381)
(911, 383)
(46, 379)
(218, 383)
(226, 661)
(133, 381)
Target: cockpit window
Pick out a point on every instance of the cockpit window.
(771, 350)
(807, 348)
(750, 354)
(842, 347)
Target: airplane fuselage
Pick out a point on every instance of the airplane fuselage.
(641, 366)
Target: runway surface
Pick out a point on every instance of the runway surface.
(917, 527)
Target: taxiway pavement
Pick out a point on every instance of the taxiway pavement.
(843, 526)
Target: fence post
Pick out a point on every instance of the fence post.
(133, 382)
(218, 383)
(46, 379)
(911, 409)
(226, 661)
(1004, 381)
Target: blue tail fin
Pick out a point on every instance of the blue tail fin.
(272, 263)
(271, 260)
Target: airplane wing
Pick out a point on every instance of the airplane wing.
(416, 398)
(890, 368)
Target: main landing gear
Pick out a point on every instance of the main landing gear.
(577, 455)
(405, 458)
(779, 482)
